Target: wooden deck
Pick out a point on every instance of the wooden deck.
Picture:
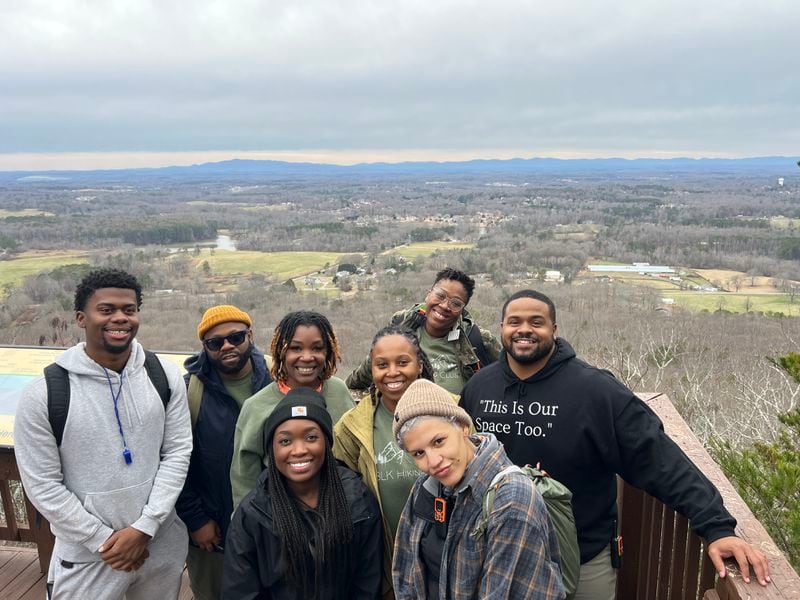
(21, 578)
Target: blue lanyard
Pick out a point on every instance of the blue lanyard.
(126, 453)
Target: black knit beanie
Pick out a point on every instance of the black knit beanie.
(299, 403)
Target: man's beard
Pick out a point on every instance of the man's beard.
(542, 350)
(244, 357)
(117, 349)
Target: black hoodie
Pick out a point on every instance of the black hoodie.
(584, 427)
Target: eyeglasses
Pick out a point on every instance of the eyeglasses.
(216, 343)
(455, 304)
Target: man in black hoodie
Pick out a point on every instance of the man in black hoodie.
(584, 427)
(220, 378)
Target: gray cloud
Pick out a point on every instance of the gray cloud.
(599, 77)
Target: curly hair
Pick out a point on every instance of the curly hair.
(427, 369)
(330, 563)
(105, 278)
(459, 276)
(284, 333)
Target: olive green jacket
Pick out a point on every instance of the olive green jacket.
(355, 447)
(361, 377)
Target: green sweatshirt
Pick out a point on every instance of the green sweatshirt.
(248, 442)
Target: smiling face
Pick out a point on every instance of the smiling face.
(298, 449)
(440, 449)
(394, 367)
(111, 319)
(441, 316)
(305, 357)
(230, 360)
(528, 334)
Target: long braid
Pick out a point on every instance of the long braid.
(333, 557)
(291, 530)
(284, 333)
(422, 358)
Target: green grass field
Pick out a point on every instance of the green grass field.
(737, 303)
(15, 270)
(411, 251)
(784, 223)
(24, 212)
(280, 265)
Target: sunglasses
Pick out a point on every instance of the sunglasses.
(216, 343)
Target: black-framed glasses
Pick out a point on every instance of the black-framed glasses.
(216, 343)
(455, 304)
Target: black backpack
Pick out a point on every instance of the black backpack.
(57, 379)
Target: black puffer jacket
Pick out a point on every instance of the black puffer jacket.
(255, 564)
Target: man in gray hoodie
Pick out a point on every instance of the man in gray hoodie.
(109, 488)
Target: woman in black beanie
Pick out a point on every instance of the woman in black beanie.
(310, 528)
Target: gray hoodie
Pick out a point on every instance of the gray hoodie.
(84, 488)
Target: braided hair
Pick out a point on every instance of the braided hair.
(427, 369)
(284, 333)
(328, 567)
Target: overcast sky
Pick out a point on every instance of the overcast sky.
(346, 81)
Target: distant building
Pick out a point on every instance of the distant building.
(633, 268)
(553, 277)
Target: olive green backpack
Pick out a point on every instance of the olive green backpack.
(558, 500)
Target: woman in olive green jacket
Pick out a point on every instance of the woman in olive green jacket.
(364, 440)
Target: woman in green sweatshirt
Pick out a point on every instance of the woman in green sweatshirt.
(305, 353)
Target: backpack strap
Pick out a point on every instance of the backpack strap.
(155, 371)
(488, 500)
(476, 339)
(195, 393)
(58, 394)
(57, 380)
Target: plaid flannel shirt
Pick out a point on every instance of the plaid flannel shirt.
(517, 558)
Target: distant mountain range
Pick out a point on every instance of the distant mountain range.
(516, 167)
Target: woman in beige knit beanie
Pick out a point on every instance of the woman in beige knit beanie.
(440, 546)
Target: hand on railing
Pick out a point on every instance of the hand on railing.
(744, 554)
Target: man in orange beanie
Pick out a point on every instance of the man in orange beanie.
(220, 378)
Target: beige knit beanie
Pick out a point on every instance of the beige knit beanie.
(425, 398)
(223, 313)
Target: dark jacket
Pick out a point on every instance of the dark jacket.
(584, 427)
(207, 491)
(255, 566)
(468, 361)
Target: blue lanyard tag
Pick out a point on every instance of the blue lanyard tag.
(126, 453)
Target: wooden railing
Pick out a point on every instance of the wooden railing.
(32, 528)
(665, 560)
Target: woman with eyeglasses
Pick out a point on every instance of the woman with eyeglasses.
(305, 352)
(455, 345)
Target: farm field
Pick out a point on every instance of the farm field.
(12, 272)
(415, 249)
(751, 285)
(754, 294)
(24, 212)
(736, 303)
(281, 265)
